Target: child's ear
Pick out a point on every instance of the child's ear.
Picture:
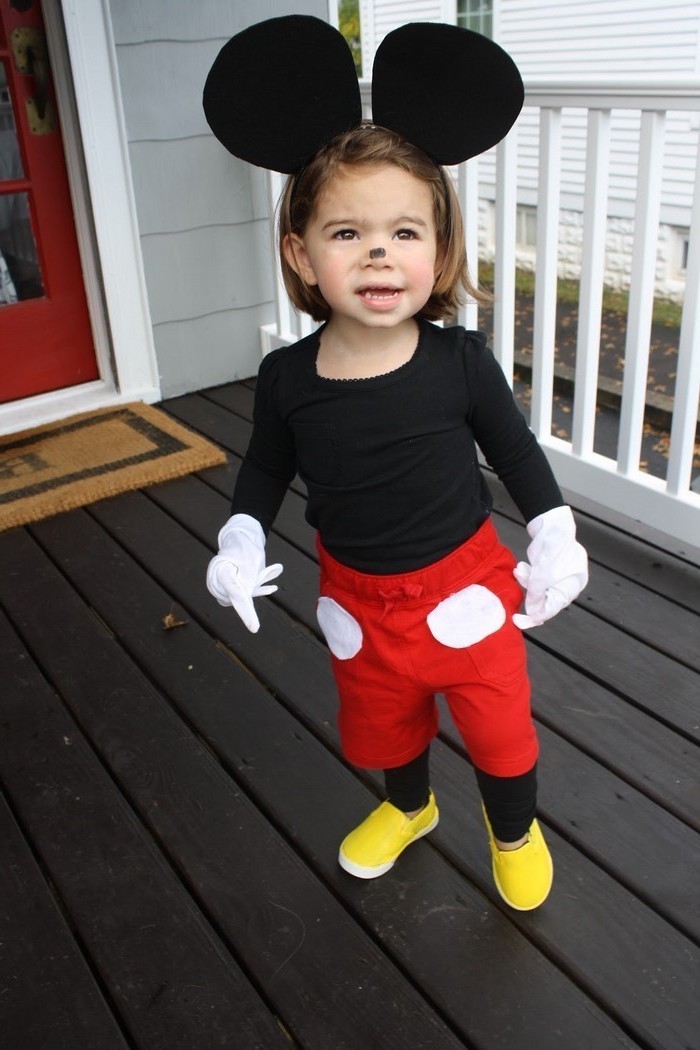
(297, 257)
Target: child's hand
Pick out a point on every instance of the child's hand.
(557, 570)
(237, 574)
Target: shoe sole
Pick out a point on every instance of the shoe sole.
(362, 872)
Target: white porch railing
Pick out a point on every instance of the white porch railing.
(669, 505)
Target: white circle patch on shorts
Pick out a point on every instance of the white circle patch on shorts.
(340, 629)
(467, 617)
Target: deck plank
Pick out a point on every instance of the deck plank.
(50, 997)
(172, 981)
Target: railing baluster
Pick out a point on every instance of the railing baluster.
(592, 271)
(283, 307)
(641, 296)
(305, 324)
(687, 394)
(468, 192)
(546, 271)
(506, 210)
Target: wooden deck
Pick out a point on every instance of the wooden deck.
(173, 801)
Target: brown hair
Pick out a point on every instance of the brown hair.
(361, 147)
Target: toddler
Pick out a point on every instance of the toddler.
(380, 412)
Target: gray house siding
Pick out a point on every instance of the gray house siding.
(203, 215)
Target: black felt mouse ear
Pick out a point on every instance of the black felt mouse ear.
(280, 90)
(452, 92)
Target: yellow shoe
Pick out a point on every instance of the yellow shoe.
(523, 876)
(373, 847)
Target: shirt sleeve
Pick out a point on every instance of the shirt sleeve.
(270, 462)
(501, 431)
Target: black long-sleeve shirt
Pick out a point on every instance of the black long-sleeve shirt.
(390, 462)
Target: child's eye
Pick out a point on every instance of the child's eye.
(344, 235)
(406, 235)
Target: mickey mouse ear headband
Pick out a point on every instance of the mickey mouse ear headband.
(282, 89)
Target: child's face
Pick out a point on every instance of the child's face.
(362, 209)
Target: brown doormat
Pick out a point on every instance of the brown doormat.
(88, 457)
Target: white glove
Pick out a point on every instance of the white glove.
(557, 571)
(237, 574)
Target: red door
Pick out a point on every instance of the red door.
(45, 336)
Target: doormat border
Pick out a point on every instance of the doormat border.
(174, 451)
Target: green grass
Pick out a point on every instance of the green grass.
(665, 312)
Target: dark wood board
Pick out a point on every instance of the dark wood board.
(174, 985)
(49, 997)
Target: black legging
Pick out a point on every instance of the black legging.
(509, 801)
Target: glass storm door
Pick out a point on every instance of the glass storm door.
(45, 335)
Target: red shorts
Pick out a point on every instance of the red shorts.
(398, 640)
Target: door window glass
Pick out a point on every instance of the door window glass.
(20, 275)
(10, 159)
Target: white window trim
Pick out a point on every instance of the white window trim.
(116, 284)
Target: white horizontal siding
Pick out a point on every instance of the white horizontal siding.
(604, 37)
(379, 17)
(601, 36)
(569, 57)
(562, 38)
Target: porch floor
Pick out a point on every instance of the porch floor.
(173, 798)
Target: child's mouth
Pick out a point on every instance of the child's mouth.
(379, 295)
